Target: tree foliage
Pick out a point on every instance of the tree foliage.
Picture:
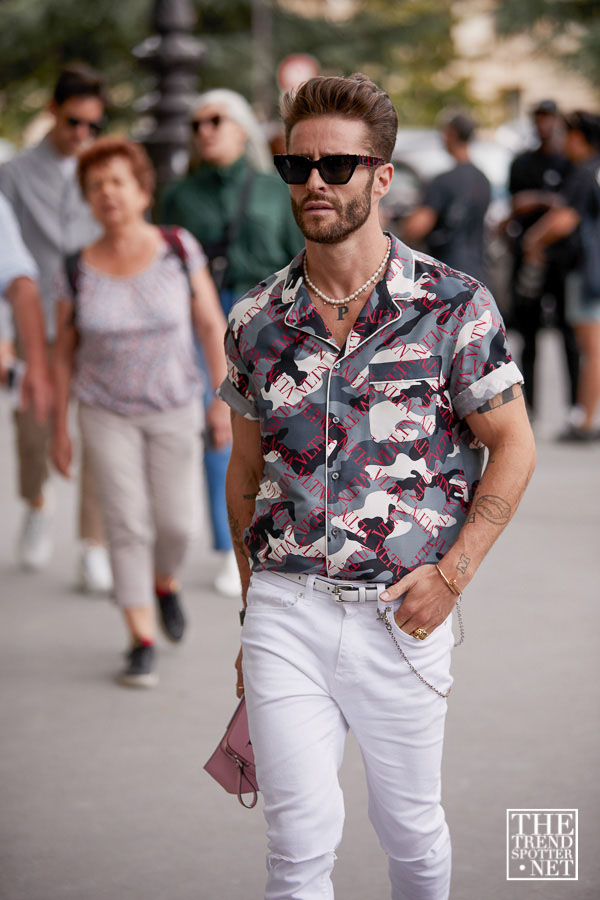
(403, 45)
(567, 29)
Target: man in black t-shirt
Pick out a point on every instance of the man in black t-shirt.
(578, 219)
(450, 220)
(535, 182)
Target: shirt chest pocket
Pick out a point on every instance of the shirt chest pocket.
(403, 404)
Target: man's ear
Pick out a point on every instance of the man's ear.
(383, 180)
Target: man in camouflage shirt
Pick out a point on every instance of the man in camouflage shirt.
(357, 498)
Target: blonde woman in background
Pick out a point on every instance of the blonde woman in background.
(239, 210)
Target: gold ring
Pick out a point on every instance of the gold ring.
(420, 634)
(240, 687)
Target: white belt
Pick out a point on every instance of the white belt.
(344, 591)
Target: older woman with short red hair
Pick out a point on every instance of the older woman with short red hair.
(128, 306)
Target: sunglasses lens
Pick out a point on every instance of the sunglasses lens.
(293, 169)
(332, 169)
(215, 121)
(93, 127)
(337, 169)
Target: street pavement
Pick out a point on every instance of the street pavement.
(102, 791)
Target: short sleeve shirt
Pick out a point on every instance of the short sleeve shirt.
(369, 466)
(136, 351)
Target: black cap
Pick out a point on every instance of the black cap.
(544, 108)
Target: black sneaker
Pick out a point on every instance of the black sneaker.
(139, 671)
(171, 615)
(574, 435)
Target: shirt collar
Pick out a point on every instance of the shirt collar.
(379, 310)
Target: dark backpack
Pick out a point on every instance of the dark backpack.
(172, 237)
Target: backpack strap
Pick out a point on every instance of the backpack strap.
(72, 271)
(172, 237)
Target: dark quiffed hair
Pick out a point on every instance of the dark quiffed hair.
(356, 97)
(461, 123)
(463, 126)
(106, 148)
(79, 80)
(587, 123)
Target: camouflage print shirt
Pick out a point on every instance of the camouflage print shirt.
(370, 468)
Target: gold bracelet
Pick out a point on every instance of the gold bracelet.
(451, 584)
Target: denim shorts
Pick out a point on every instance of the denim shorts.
(579, 311)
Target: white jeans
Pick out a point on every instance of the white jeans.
(313, 668)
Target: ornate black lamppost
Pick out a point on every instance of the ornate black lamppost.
(175, 55)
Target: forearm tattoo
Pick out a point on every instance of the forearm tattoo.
(511, 393)
(491, 508)
(237, 535)
(463, 564)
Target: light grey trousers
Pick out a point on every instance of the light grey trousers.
(146, 472)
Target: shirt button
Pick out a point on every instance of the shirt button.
(337, 365)
(335, 420)
(335, 475)
(335, 531)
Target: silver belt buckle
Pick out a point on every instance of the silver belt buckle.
(357, 594)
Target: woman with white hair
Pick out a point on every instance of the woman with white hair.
(239, 210)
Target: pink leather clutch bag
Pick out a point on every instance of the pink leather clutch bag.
(232, 763)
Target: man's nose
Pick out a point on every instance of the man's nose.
(315, 181)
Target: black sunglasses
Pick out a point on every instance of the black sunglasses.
(337, 169)
(215, 121)
(94, 127)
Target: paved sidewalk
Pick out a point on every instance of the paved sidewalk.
(102, 792)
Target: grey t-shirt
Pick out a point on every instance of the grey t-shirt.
(460, 198)
(53, 217)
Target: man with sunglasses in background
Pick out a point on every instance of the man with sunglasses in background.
(41, 185)
(364, 380)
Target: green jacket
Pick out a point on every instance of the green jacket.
(208, 198)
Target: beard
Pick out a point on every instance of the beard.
(350, 216)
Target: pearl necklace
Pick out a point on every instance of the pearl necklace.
(335, 302)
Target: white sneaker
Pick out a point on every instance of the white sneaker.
(35, 543)
(228, 581)
(95, 573)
